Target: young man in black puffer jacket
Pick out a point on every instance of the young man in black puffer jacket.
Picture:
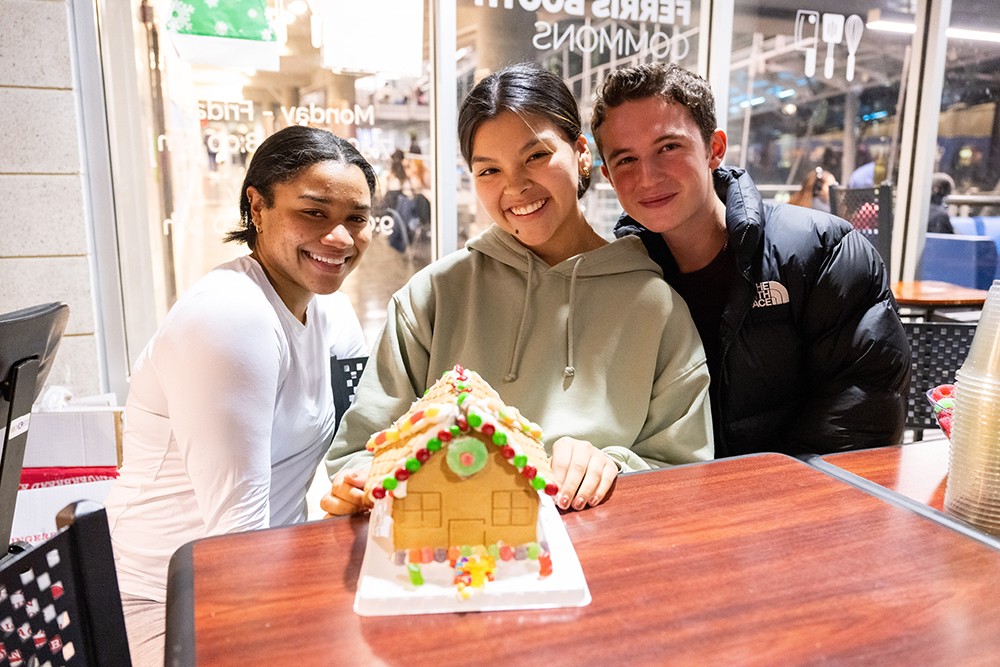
(804, 343)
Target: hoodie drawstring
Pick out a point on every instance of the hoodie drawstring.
(570, 371)
(515, 361)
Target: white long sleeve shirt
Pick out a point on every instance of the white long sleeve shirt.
(228, 414)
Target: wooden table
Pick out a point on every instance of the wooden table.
(753, 560)
(931, 294)
(912, 475)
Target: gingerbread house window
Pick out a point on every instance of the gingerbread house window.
(419, 510)
(511, 508)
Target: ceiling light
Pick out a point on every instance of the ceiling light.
(885, 22)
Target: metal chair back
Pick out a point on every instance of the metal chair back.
(937, 351)
(59, 601)
(344, 377)
(869, 210)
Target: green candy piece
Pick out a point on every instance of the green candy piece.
(494, 551)
(412, 465)
(475, 421)
(520, 461)
(461, 398)
(433, 445)
(466, 456)
(390, 483)
(416, 576)
(537, 483)
(465, 550)
(455, 430)
(499, 439)
(533, 550)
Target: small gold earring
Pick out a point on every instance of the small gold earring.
(586, 172)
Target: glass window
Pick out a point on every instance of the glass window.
(968, 145)
(221, 77)
(815, 85)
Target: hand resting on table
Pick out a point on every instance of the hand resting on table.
(583, 472)
(347, 496)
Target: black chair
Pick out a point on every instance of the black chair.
(344, 376)
(870, 211)
(59, 600)
(937, 351)
(29, 339)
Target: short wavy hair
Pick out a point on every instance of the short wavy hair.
(669, 81)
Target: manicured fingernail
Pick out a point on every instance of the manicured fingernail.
(579, 503)
(594, 501)
(564, 502)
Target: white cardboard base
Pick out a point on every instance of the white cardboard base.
(384, 589)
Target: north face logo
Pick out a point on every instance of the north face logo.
(770, 293)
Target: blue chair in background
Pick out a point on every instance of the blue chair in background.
(970, 261)
(965, 225)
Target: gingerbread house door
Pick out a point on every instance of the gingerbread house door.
(466, 532)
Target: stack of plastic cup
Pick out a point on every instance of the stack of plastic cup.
(973, 490)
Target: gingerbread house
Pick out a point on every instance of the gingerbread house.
(460, 470)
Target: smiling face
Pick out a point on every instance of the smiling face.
(660, 167)
(526, 174)
(315, 233)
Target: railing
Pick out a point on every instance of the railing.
(966, 204)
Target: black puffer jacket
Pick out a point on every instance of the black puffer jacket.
(814, 358)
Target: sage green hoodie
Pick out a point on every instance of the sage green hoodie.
(597, 347)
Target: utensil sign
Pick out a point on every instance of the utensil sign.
(806, 37)
(833, 34)
(852, 33)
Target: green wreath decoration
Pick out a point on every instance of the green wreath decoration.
(466, 456)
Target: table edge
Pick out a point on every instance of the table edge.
(179, 636)
(900, 500)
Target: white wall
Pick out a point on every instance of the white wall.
(44, 246)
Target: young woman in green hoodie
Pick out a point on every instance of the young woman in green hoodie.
(582, 335)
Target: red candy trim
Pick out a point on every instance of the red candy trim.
(444, 436)
(423, 455)
(551, 489)
(507, 451)
(378, 493)
(463, 424)
(402, 474)
(488, 429)
(529, 472)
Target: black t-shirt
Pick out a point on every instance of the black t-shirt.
(706, 291)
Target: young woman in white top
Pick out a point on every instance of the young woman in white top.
(230, 407)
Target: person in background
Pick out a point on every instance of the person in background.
(230, 407)
(939, 220)
(805, 347)
(580, 334)
(815, 190)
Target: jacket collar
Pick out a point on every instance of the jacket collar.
(744, 222)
